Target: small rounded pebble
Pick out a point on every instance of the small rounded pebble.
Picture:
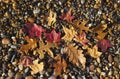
(5, 41)
(29, 77)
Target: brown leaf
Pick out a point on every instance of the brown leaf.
(75, 55)
(59, 66)
(69, 33)
(30, 46)
(94, 52)
(52, 18)
(36, 67)
(46, 48)
(81, 26)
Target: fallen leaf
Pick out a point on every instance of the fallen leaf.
(53, 36)
(26, 61)
(75, 56)
(94, 52)
(36, 67)
(46, 48)
(59, 66)
(30, 46)
(69, 33)
(81, 38)
(33, 30)
(52, 18)
(104, 44)
(81, 25)
(67, 16)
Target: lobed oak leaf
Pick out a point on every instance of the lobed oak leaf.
(69, 33)
(94, 52)
(52, 18)
(75, 56)
(104, 44)
(59, 66)
(81, 26)
(36, 67)
(53, 36)
(26, 61)
(30, 46)
(33, 30)
(67, 16)
(81, 38)
(46, 48)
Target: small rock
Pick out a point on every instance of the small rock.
(18, 75)
(29, 77)
(110, 59)
(5, 41)
(31, 20)
(10, 73)
(20, 67)
(92, 67)
(82, 1)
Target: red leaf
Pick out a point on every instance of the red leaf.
(81, 38)
(53, 36)
(67, 16)
(26, 61)
(33, 30)
(104, 44)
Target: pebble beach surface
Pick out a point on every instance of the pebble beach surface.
(15, 13)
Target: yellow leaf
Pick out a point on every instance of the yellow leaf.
(75, 55)
(36, 67)
(30, 46)
(94, 52)
(46, 48)
(52, 18)
(60, 65)
(69, 33)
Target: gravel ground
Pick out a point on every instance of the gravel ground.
(15, 13)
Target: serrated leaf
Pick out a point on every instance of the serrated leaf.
(52, 18)
(69, 33)
(59, 66)
(94, 52)
(36, 67)
(75, 56)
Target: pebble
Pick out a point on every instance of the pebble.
(82, 1)
(20, 67)
(5, 41)
(10, 73)
(31, 20)
(18, 75)
(29, 77)
(92, 67)
(110, 58)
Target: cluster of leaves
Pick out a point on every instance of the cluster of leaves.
(40, 41)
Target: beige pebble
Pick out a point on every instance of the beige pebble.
(29, 77)
(18, 75)
(91, 67)
(5, 41)
(110, 59)
(31, 20)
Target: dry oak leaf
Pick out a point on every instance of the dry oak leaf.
(99, 29)
(81, 26)
(30, 46)
(68, 17)
(46, 48)
(94, 52)
(59, 66)
(75, 56)
(36, 67)
(81, 38)
(52, 18)
(69, 33)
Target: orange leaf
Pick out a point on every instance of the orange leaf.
(30, 46)
(60, 65)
